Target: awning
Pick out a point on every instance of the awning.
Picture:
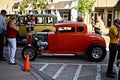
(117, 6)
(16, 5)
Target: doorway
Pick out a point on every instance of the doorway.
(109, 19)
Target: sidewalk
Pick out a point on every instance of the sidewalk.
(15, 72)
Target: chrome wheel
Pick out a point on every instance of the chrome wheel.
(30, 51)
(97, 52)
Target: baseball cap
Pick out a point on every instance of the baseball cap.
(116, 21)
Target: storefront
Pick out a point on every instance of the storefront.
(107, 10)
(62, 10)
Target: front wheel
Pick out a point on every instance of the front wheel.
(96, 52)
(30, 51)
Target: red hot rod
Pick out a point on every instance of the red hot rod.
(69, 38)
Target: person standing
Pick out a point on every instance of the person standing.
(118, 56)
(98, 25)
(80, 19)
(11, 37)
(2, 33)
(29, 24)
(33, 19)
(113, 46)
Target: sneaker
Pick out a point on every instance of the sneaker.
(13, 63)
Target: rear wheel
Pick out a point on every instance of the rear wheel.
(96, 52)
(30, 51)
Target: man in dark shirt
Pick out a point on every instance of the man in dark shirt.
(29, 24)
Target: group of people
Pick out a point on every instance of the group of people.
(9, 30)
(114, 45)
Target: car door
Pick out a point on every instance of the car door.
(64, 41)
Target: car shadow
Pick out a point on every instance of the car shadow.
(65, 58)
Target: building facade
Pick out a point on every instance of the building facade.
(11, 6)
(106, 8)
(62, 9)
(109, 9)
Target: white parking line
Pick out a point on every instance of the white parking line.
(59, 71)
(98, 76)
(43, 67)
(77, 72)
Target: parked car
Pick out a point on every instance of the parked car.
(69, 38)
(43, 23)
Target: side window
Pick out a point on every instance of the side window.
(66, 29)
(48, 20)
(39, 20)
(80, 29)
(44, 20)
(22, 20)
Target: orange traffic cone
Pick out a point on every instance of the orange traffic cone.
(27, 63)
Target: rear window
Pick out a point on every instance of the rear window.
(22, 20)
(80, 29)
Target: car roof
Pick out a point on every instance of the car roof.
(70, 24)
(48, 15)
(24, 15)
(12, 15)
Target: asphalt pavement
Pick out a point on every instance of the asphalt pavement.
(15, 72)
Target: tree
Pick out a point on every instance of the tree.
(85, 6)
(36, 4)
